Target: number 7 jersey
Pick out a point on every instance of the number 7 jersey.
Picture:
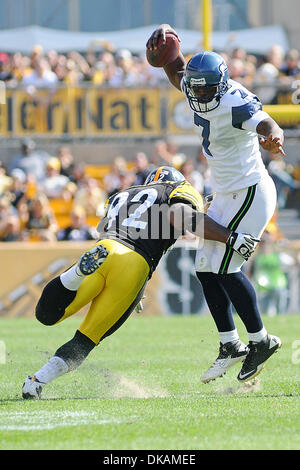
(229, 139)
(138, 217)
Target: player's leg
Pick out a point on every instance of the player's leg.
(59, 364)
(61, 291)
(253, 216)
(231, 348)
(122, 291)
(62, 297)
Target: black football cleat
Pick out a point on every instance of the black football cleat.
(92, 260)
(259, 353)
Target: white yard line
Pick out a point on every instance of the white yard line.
(42, 420)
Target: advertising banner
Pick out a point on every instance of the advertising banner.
(108, 112)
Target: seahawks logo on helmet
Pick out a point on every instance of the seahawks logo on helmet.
(223, 68)
(164, 174)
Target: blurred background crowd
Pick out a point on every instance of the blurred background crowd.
(107, 67)
(35, 186)
(52, 198)
(46, 197)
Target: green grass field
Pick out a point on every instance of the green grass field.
(141, 389)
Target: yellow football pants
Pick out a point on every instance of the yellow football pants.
(112, 290)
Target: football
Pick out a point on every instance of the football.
(165, 53)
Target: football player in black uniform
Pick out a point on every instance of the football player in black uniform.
(140, 224)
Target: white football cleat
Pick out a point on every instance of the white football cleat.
(229, 354)
(32, 388)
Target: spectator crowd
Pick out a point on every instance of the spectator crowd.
(34, 184)
(34, 178)
(122, 68)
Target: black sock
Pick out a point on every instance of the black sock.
(217, 300)
(76, 350)
(243, 297)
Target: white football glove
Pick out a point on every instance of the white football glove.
(139, 307)
(243, 243)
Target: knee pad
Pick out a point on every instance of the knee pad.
(53, 302)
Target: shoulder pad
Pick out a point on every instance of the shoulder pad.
(186, 193)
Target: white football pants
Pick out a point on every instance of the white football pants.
(246, 211)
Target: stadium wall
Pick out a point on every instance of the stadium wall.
(29, 266)
(173, 289)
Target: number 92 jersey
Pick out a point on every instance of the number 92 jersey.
(138, 217)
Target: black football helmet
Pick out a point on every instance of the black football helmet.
(164, 174)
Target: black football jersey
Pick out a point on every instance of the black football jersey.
(138, 217)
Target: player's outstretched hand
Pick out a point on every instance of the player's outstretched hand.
(272, 144)
(160, 32)
(243, 243)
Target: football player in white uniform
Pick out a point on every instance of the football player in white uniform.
(229, 118)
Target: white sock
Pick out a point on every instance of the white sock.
(55, 367)
(259, 336)
(227, 336)
(72, 278)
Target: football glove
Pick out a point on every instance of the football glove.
(243, 243)
(139, 307)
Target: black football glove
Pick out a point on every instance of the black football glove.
(243, 243)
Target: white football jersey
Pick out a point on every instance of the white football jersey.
(231, 146)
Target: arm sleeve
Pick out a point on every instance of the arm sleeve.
(252, 123)
(246, 111)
